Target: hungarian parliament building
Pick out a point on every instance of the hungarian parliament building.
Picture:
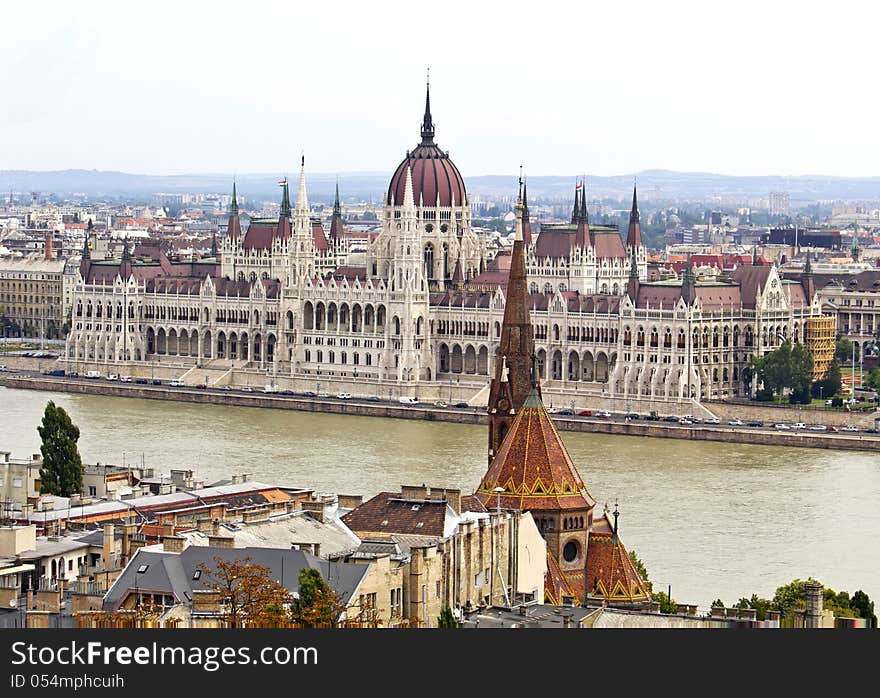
(422, 310)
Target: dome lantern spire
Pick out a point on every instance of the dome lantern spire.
(427, 120)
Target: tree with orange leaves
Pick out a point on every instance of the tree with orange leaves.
(247, 594)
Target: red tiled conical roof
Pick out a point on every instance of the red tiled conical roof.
(533, 466)
(610, 572)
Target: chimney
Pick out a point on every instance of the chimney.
(221, 541)
(215, 527)
(454, 499)
(813, 617)
(173, 544)
(317, 510)
(108, 546)
(49, 251)
(414, 492)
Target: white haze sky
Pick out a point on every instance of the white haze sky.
(157, 87)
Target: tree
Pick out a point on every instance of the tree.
(843, 351)
(789, 366)
(667, 603)
(247, 595)
(862, 604)
(761, 606)
(829, 386)
(316, 605)
(641, 569)
(62, 469)
(872, 379)
(447, 619)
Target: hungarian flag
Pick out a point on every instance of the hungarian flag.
(578, 187)
(282, 182)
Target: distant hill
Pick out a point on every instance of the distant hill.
(653, 185)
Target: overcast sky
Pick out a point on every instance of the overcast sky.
(601, 88)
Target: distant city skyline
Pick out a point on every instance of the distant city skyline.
(173, 89)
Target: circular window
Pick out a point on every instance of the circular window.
(570, 551)
(444, 228)
(429, 228)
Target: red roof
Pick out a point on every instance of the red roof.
(434, 176)
(610, 572)
(534, 467)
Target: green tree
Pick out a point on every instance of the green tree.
(843, 351)
(316, 605)
(792, 596)
(62, 470)
(872, 379)
(718, 603)
(667, 604)
(447, 619)
(831, 383)
(862, 604)
(761, 606)
(641, 569)
(790, 366)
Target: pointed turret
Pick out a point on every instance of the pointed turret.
(214, 251)
(427, 121)
(854, 248)
(634, 234)
(285, 200)
(582, 236)
(807, 281)
(632, 286)
(87, 251)
(336, 229)
(408, 201)
(513, 357)
(233, 225)
(584, 214)
(688, 284)
(302, 199)
(575, 212)
(527, 225)
(125, 266)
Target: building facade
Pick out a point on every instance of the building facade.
(35, 294)
(421, 312)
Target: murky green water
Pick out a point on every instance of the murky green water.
(711, 519)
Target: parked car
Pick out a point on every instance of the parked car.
(407, 400)
(685, 421)
(344, 396)
(632, 415)
(849, 427)
(112, 377)
(287, 392)
(270, 388)
(799, 425)
(177, 383)
(323, 395)
(782, 427)
(566, 412)
(309, 393)
(440, 403)
(551, 410)
(653, 417)
(93, 374)
(201, 386)
(141, 381)
(832, 429)
(670, 418)
(756, 424)
(60, 372)
(3, 367)
(712, 420)
(226, 387)
(374, 398)
(156, 381)
(247, 389)
(604, 414)
(735, 423)
(818, 427)
(585, 413)
(461, 405)
(126, 379)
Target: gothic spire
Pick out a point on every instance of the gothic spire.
(634, 234)
(233, 224)
(126, 254)
(337, 209)
(688, 283)
(575, 212)
(511, 384)
(302, 199)
(427, 121)
(527, 225)
(233, 208)
(86, 253)
(285, 200)
(585, 216)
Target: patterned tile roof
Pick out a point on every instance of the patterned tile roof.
(389, 512)
(610, 572)
(533, 466)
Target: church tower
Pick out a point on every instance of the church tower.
(302, 246)
(513, 357)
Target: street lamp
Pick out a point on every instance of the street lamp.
(498, 491)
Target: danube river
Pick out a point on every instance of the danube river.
(710, 519)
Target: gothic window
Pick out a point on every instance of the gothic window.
(429, 261)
